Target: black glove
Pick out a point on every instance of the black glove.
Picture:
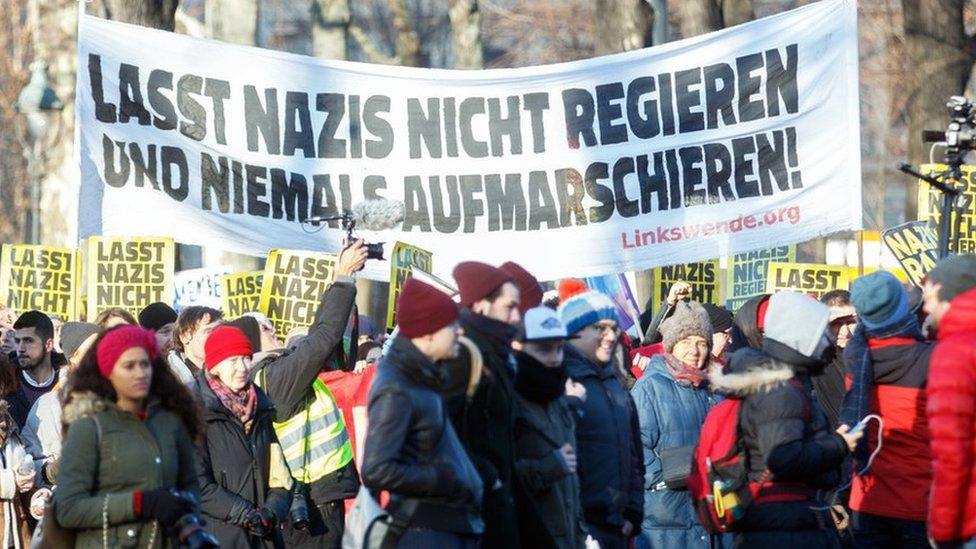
(164, 505)
(260, 522)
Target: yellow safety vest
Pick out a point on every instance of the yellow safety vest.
(315, 441)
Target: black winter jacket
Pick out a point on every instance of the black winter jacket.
(784, 430)
(411, 448)
(486, 423)
(610, 457)
(234, 470)
(287, 378)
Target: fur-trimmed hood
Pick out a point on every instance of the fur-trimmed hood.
(748, 372)
(80, 404)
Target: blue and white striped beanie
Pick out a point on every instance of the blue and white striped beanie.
(585, 309)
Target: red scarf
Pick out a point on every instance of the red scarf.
(683, 373)
(241, 404)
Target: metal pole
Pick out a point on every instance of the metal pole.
(945, 223)
(659, 33)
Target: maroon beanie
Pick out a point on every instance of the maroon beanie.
(477, 280)
(530, 292)
(423, 309)
(120, 340)
(224, 342)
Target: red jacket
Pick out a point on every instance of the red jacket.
(952, 422)
(900, 478)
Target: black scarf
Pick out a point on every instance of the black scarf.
(537, 382)
(493, 332)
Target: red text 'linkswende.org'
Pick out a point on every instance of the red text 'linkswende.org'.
(786, 214)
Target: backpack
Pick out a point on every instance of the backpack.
(718, 483)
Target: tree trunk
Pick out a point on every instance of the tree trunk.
(233, 21)
(699, 17)
(466, 28)
(622, 25)
(330, 28)
(158, 14)
(407, 41)
(940, 54)
(735, 12)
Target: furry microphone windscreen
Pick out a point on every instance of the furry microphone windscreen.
(378, 214)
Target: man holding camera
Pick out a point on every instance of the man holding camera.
(309, 424)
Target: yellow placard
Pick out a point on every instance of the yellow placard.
(916, 246)
(405, 258)
(42, 278)
(746, 273)
(964, 217)
(293, 284)
(899, 273)
(809, 278)
(703, 276)
(130, 273)
(241, 293)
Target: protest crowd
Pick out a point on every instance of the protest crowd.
(504, 417)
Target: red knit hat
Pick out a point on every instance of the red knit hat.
(477, 280)
(530, 292)
(225, 342)
(423, 309)
(118, 341)
(761, 313)
(569, 287)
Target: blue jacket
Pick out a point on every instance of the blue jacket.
(608, 446)
(671, 415)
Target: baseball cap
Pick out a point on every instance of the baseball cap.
(542, 323)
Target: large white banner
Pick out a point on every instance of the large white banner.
(742, 139)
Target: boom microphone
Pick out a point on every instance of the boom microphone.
(378, 214)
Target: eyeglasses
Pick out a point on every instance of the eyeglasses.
(607, 328)
(844, 320)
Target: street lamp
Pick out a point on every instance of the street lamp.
(36, 101)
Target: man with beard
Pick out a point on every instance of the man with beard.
(485, 422)
(545, 442)
(34, 337)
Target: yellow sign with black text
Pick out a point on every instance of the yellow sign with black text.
(963, 220)
(42, 278)
(916, 246)
(405, 258)
(746, 273)
(808, 278)
(703, 276)
(292, 288)
(130, 273)
(241, 293)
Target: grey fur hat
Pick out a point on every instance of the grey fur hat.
(688, 319)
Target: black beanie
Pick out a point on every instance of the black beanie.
(249, 325)
(720, 317)
(956, 274)
(156, 315)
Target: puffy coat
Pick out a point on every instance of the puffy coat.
(541, 429)
(900, 477)
(105, 469)
(671, 414)
(951, 411)
(411, 448)
(610, 461)
(240, 471)
(784, 430)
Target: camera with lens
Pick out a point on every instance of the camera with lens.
(960, 134)
(188, 530)
(299, 507)
(374, 250)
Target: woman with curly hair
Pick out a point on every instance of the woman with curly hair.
(127, 472)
